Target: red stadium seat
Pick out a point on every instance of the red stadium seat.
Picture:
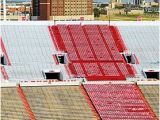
(119, 101)
(92, 51)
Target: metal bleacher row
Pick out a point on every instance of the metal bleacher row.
(151, 93)
(78, 102)
(142, 40)
(26, 48)
(11, 105)
(59, 102)
(90, 48)
(45, 103)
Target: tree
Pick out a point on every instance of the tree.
(96, 12)
(103, 11)
(127, 8)
(119, 7)
(103, 5)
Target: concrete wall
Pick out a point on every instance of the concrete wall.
(15, 18)
(77, 17)
(136, 12)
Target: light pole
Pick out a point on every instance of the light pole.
(109, 17)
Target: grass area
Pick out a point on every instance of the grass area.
(118, 17)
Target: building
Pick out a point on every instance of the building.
(15, 12)
(137, 2)
(62, 10)
(157, 1)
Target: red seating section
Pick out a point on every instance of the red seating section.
(92, 51)
(119, 101)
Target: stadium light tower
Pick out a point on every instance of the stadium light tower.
(4, 10)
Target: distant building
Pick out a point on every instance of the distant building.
(137, 2)
(62, 9)
(15, 12)
(152, 9)
(155, 5)
(116, 1)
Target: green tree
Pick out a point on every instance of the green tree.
(119, 7)
(96, 12)
(103, 5)
(103, 11)
(127, 8)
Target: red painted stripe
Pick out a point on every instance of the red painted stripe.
(4, 73)
(72, 69)
(136, 59)
(92, 49)
(5, 52)
(94, 78)
(118, 38)
(25, 103)
(75, 47)
(131, 69)
(57, 38)
(51, 33)
(55, 59)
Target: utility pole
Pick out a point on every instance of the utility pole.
(4, 10)
(25, 11)
(109, 16)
